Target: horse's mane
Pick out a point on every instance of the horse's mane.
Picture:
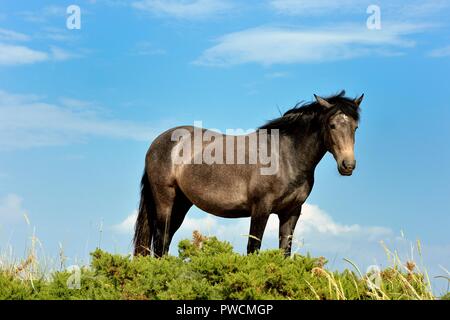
(303, 113)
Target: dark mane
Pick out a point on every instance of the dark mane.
(303, 114)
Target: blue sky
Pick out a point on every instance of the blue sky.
(79, 108)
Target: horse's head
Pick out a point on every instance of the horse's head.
(340, 122)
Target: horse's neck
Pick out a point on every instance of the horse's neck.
(307, 150)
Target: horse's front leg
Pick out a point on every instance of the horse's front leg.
(258, 222)
(288, 221)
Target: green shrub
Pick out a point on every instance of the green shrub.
(207, 268)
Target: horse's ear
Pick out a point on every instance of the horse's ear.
(323, 102)
(359, 100)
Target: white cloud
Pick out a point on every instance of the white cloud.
(313, 7)
(208, 225)
(59, 54)
(316, 232)
(440, 52)
(313, 220)
(269, 45)
(56, 34)
(127, 225)
(76, 103)
(190, 9)
(52, 10)
(11, 208)
(44, 14)
(13, 55)
(27, 121)
(316, 229)
(12, 35)
(17, 55)
(399, 9)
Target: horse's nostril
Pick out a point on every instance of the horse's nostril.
(348, 164)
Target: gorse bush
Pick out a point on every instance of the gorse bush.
(207, 268)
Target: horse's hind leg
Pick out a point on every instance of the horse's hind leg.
(164, 201)
(171, 207)
(180, 208)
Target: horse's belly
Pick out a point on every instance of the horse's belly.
(223, 196)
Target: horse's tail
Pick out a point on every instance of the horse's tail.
(143, 231)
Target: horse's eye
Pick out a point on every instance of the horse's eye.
(332, 126)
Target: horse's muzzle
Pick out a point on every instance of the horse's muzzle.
(346, 167)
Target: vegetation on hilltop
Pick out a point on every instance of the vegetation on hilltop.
(207, 268)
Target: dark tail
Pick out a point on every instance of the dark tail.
(143, 233)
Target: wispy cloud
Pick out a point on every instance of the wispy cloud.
(59, 54)
(314, 7)
(316, 228)
(28, 121)
(313, 220)
(11, 209)
(277, 75)
(44, 14)
(14, 55)
(10, 35)
(182, 9)
(440, 52)
(270, 45)
(56, 34)
(401, 9)
(127, 225)
(17, 55)
(76, 103)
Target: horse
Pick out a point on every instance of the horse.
(239, 188)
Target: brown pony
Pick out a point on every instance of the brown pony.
(237, 186)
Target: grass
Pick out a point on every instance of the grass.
(207, 268)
